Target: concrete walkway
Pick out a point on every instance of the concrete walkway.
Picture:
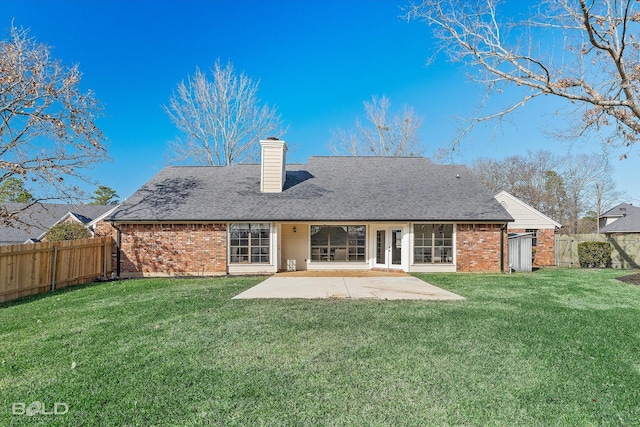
(388, 287)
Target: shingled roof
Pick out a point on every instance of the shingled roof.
(325, 189)
(628, 219)
(36, 219)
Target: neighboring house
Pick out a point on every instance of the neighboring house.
(529, 220)
(36, 220)
(400, 213)
(623, 219)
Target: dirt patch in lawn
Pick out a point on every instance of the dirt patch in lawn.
(633, 279)
(342, 273)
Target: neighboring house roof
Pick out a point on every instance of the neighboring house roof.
(37, 219)
(325, 189)
(101, 217)
(628, 219)
(619, 211)
(525, 216)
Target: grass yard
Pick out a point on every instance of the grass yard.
(554, 347)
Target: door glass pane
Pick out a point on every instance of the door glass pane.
(380, 247)
(396, 247)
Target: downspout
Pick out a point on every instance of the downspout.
(502, 229)
(118, 238)
(227, 254)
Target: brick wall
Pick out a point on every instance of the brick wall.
(173, 249)
(104, 229)
(545, 250)
(201, 249)
(478, 248)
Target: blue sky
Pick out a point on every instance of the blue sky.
(317, 61)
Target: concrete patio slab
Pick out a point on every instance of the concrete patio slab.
(387, 287)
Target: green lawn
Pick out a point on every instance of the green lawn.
(555, 347)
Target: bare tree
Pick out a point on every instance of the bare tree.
(526, 177)
(221, 119)
(555, 195)
(582, 173)
(563, 187)
(589, 186)
(48, 132)
(586, 52)
(381, 134)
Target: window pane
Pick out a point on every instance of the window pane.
(443, 249)
(319, 235)
(356, 242)
(319, 243)
(338, 236)
(239, 228)
(245, 239)
(422, 235)
(338, 242)
(534, 235)
(357, 235)
(433, 243)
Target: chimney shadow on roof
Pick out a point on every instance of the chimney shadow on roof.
(294, 178)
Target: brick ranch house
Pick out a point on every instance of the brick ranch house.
(333, 213)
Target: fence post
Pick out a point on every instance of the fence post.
(53, 268)
(570, 253)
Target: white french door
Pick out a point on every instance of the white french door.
(388, 247)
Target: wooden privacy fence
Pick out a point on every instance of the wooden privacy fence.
(626, 249)
(41, 267)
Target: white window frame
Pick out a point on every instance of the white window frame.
(449, 266)
(250, 244)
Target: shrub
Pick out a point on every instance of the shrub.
(594, 254)
(67, 231)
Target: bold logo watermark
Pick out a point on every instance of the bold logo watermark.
(35, 408)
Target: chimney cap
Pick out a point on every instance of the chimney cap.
(272, 138)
